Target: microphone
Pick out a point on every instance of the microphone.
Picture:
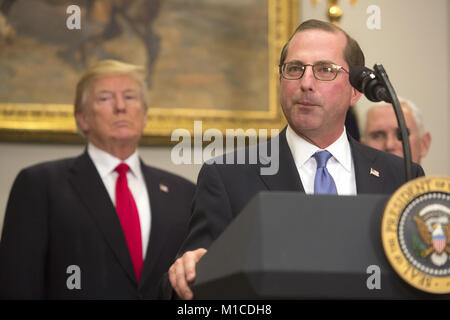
(365, 81)
(376, 87)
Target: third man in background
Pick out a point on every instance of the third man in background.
(380, 130)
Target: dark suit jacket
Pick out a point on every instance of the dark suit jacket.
(60, 214)
(224, 189)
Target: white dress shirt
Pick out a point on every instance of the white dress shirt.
(105, 164)
(340, 165)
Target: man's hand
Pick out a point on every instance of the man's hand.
(182, 272)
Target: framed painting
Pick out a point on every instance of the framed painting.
(213, 61)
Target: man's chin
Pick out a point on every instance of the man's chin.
(305, 125)
(127, 137)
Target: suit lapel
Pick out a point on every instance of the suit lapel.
(159, 200)
(89, 186)
(369, 176)
(287, 178)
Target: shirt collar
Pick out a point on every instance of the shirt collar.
(106, 163)
(303, 150)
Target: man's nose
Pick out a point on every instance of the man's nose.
(120, 103)
(308, 81)
(393, 145)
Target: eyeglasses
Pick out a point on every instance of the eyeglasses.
(322, 71)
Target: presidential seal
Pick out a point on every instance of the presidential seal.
(415, 231)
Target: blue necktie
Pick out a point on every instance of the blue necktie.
(323, 181)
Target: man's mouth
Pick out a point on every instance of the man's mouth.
(307, 103)
(121, 123)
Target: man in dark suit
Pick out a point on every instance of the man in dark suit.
(103, 225)
(315, 155)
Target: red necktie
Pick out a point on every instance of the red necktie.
(129, 218)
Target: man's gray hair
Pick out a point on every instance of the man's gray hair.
(416, 112)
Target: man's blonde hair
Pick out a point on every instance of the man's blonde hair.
(109, 68)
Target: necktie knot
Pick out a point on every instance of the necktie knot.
(322, 158)
(122, 169)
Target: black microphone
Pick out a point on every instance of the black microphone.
(365, 81)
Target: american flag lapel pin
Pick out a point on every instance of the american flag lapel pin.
(374, 172)
(163, 188)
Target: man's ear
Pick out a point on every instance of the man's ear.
(145, 116)
(82, 123)
(425, 142)
(355, 97)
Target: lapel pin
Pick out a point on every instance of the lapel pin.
(374, 172)
(163, 188)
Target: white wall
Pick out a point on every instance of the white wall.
(447, 107)
(413, 45)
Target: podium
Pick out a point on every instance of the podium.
(288, 245)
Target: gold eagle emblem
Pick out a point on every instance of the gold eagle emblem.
(435, 233)
(415, 232)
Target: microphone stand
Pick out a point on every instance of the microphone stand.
(404, 134)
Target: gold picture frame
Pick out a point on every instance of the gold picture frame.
(54, 123)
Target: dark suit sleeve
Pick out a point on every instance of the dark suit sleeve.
(23, 244)
(211, 210)
(211, 214)
(418, 170)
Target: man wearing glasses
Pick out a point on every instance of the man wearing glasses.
(316, 156)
